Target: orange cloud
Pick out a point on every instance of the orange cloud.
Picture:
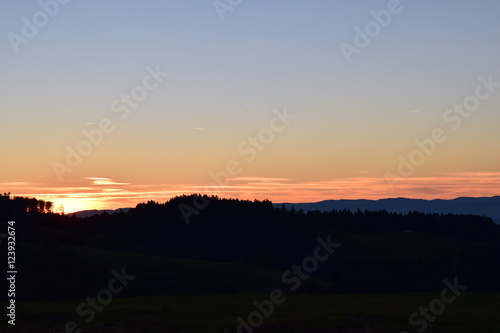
(102, 193)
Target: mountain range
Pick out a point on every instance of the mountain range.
(484, 206)
(92, 212)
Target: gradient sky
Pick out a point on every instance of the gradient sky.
(352, 121)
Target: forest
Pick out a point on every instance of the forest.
(237, 246)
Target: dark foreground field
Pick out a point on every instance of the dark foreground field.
(152, 272)
(471, 312)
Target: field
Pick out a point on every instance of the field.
(187, 296)
(471, 312)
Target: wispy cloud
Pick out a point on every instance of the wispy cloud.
(106, 193)
(17, 184)
(262, 179)
(104, 181)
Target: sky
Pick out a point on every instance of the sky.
(106, 104)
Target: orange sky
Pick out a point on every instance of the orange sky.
(105, 193)
(172, 93)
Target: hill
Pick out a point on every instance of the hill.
(485, 206)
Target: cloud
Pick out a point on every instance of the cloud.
(262, 179)
(104, 181)
(17, 184)
(105, 193)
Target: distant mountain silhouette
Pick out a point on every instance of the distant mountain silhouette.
(488, 206)
(92, 212)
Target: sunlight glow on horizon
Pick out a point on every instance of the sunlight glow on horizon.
(101, 193)
(182, 93)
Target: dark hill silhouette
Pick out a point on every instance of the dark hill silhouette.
(487, 206)
(92, 212)
(376, 255)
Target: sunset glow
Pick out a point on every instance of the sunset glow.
(177, 99)
(105, 194)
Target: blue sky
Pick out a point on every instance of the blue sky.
(225, 77)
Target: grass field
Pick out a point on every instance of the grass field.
(169, 276)
(218, 313)
(471, 312)
(400, 245)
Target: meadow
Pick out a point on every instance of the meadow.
(381, 313)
